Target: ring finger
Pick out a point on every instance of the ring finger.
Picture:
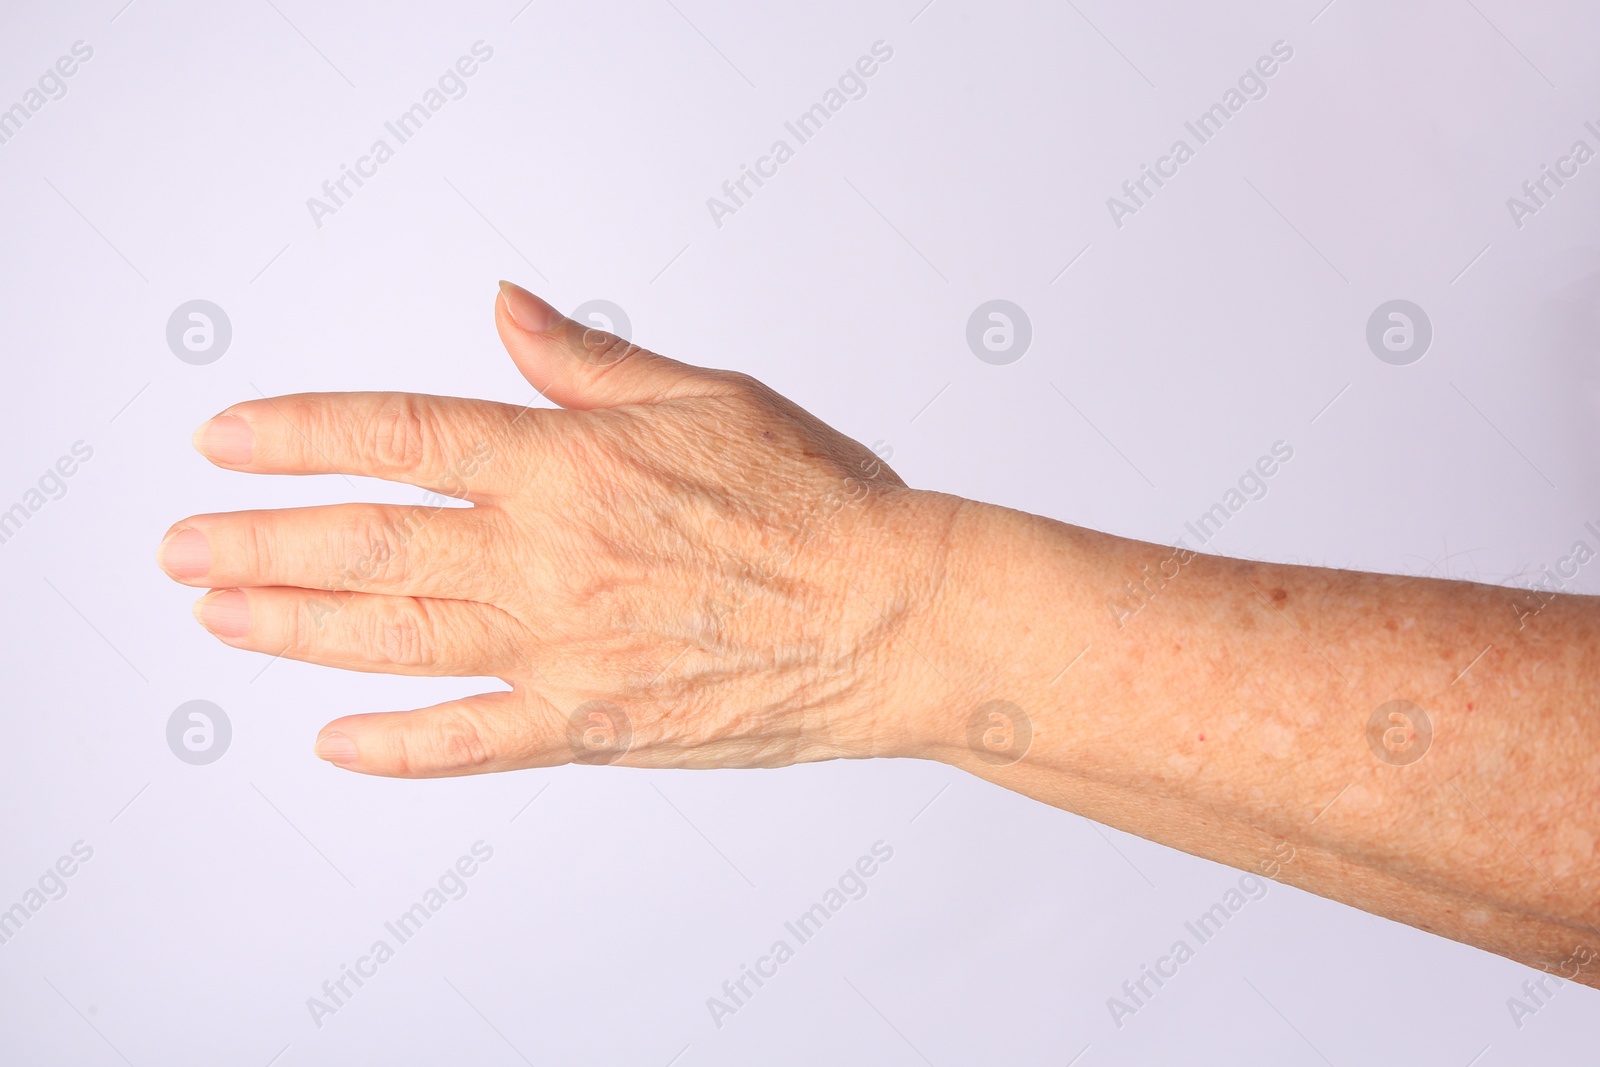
(447, 553)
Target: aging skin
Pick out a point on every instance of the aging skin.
(681, 568)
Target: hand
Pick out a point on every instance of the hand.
(681, 569)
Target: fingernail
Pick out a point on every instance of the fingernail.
(225, 613)
(226, 439)
(336, 748)
(186, 554)
(527, 310)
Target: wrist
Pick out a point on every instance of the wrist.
(995, 623)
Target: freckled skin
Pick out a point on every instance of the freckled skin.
(1441, 843)
(731, 583)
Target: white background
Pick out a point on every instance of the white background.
(1229, 313)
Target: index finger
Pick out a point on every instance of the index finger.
(462, 448)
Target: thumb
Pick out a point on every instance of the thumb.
(578, 366)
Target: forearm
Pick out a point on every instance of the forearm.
(1223, 707)
(684, 569)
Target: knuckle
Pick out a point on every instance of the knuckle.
(256, 549)
(375, 548)
(458, 740)
(742, 386)
(401, 435)
(741, 382)
(606, 350)
(302, 627)
(404, 637)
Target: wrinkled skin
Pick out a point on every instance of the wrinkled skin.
(679, 569)
(683, 569)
